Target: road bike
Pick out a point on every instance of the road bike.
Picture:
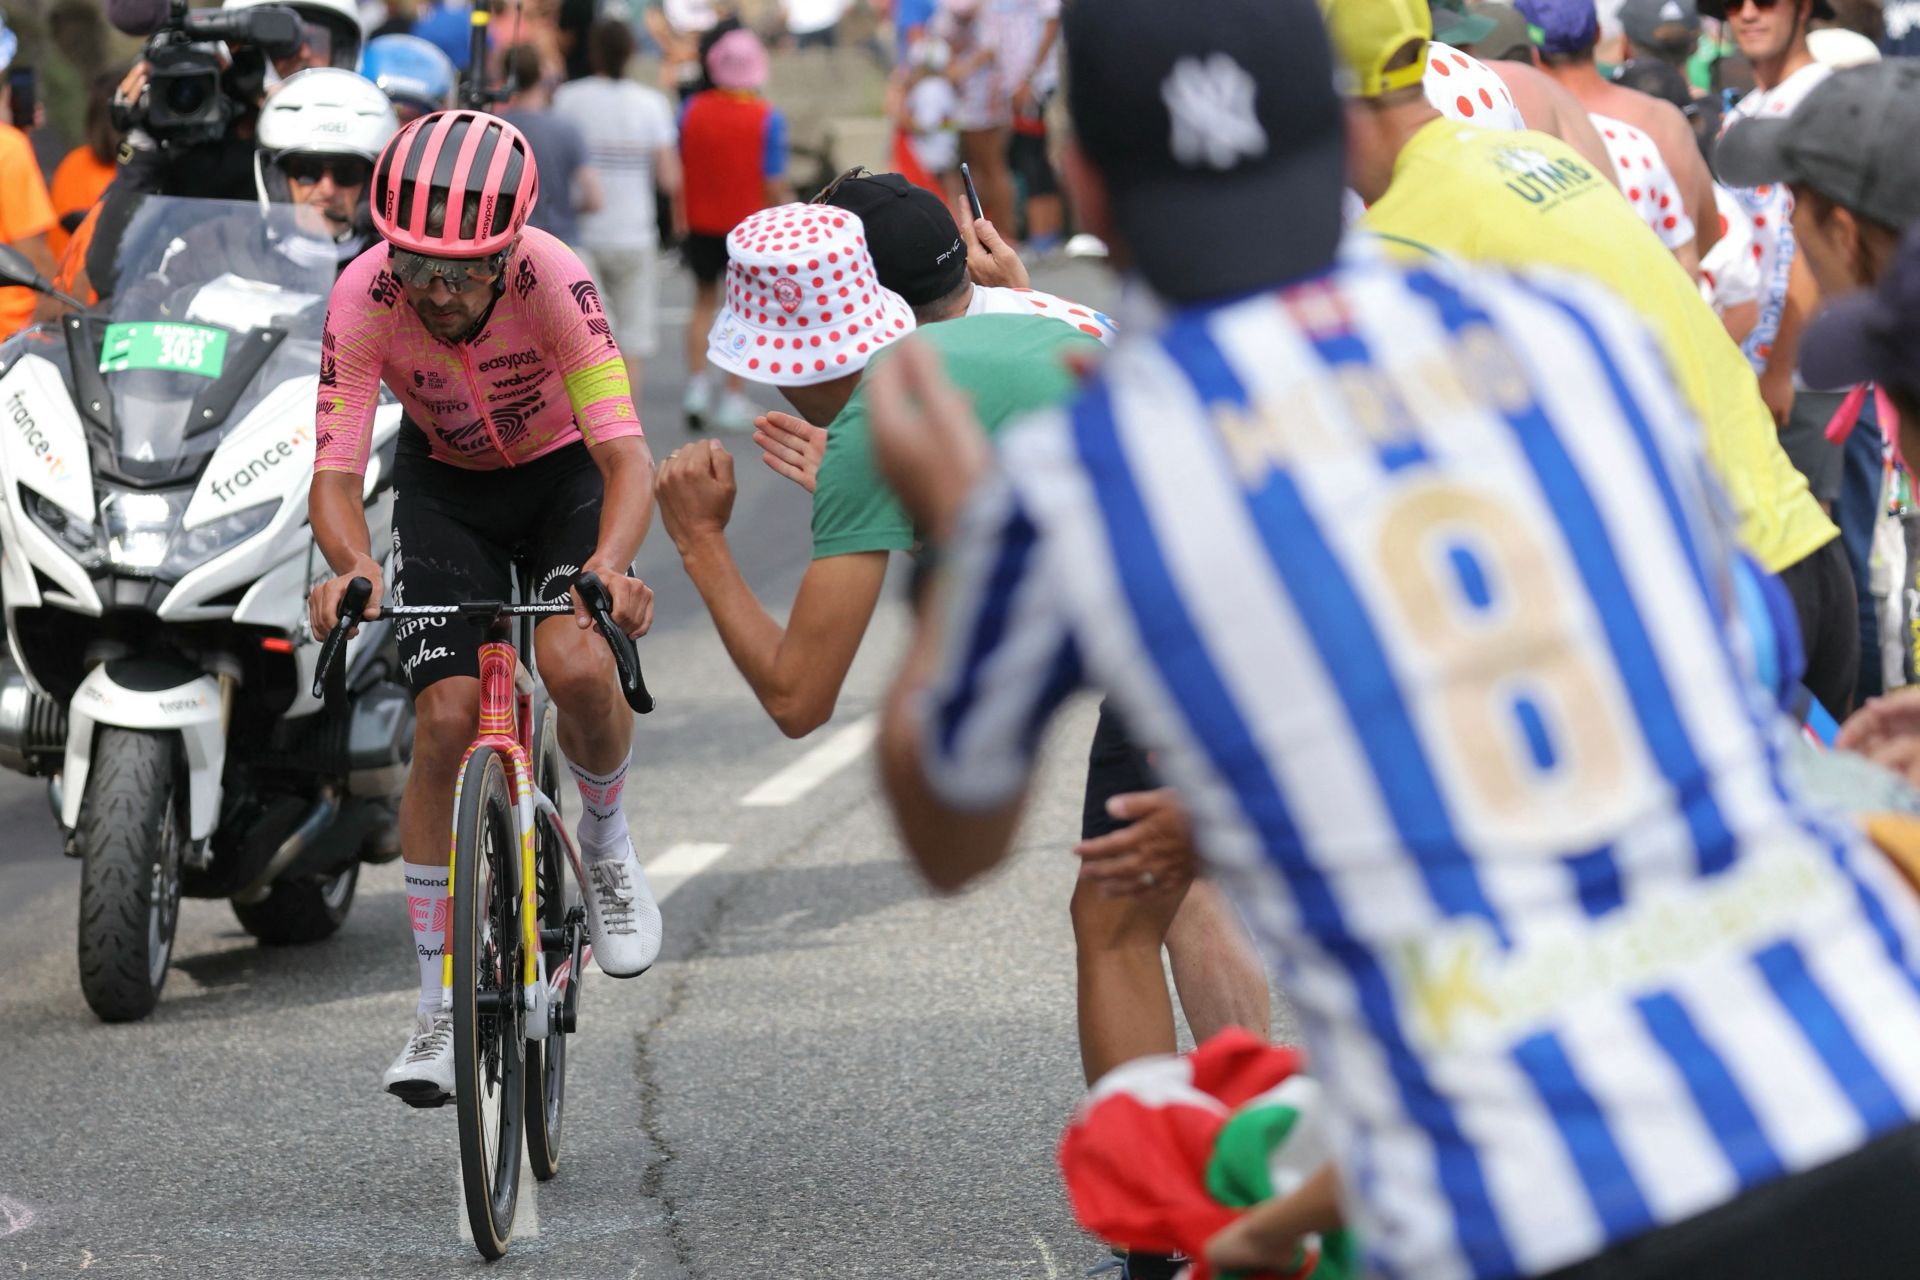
(516, 929)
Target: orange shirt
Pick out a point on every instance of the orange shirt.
(25, 212)
(77, 185)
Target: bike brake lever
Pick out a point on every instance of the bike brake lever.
(352, 605)
(626, 658)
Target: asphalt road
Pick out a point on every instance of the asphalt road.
(828, 1073)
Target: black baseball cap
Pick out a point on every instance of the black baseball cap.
(1216, 128)
(1872, 335)
(1851, 139)
(915, 242)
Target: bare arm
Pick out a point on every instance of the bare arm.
(1674, 137)
(626, 512)
(796, 671)
(1803, 300)
(950, 846)
(336, 507)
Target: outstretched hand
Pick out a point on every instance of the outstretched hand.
(1153, 854)
(991, 261)
(791, 446)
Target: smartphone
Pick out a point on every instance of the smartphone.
(22, 90)
(973, 197)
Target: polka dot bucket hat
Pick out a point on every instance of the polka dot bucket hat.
(1461, 87)
(803, 304)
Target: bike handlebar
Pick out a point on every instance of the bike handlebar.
(593, 592)
(352, 605)
(626, 656)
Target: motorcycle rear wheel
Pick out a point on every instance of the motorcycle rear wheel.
(131, 835)
(310, 909)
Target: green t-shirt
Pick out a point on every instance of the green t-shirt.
(1009, 365)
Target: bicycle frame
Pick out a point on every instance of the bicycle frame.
(506, 715)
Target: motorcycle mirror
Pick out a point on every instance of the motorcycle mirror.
(16, 269)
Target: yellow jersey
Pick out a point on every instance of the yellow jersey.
(1529, 200)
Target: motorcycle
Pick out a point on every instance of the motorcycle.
(155, 557)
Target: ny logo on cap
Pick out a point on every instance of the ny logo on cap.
(1671, 12)
(1211, 103)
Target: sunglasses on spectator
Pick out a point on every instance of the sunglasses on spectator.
(826, 192)
(417, 270)
(347, 171)
(1761, 6)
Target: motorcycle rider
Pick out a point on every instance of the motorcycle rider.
(319, 133)
(417, 77)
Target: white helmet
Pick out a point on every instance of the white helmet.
(326, 110)
(338, 19)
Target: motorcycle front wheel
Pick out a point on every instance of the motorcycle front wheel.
(132, 834)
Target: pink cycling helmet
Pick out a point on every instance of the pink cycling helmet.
(455, 184)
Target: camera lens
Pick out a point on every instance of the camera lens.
(186, 95)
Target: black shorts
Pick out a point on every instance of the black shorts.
(705, 256)
(455, 533)
(1114, 767)
(1027, 158)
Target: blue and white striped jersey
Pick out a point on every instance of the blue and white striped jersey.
(1415, 583)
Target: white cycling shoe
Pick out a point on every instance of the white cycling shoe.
(423, 1073)
(622, 917)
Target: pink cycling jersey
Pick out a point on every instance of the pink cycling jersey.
(542, 373)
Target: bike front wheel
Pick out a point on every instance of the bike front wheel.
(488, 1063)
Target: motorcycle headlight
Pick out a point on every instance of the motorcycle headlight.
(192, 548)
(139, 527)
(77, 536)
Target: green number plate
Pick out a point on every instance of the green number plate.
(175, 348)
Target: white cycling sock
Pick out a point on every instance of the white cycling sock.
(427, 907)
(603, 825)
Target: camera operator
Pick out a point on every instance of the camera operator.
(197, 139)
(191, 115)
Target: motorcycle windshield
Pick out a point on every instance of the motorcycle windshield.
(218, 305)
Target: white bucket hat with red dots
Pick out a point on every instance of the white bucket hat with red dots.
(802, 303)
(1461, 87)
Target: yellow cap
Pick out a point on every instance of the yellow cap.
(1367, 33)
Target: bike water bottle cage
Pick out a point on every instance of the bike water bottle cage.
(418, 270)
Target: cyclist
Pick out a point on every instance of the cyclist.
(520, 434)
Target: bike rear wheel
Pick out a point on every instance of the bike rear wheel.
(488, 1063)
(547, 1059)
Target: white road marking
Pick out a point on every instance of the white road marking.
(1046, 1257)
(681, 863)
(526, 1210)
(815, 767)
(14, 1216)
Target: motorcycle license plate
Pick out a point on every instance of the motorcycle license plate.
(169, 348)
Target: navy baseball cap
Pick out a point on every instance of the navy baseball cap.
(1561, 26)
(1872, 335)
(1218, 133)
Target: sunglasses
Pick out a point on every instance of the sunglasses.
(1760, 6)
(827, 192)
(347, 171)
(417, 270)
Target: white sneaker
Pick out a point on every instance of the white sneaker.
(423, 1073)
(735, 412)
(697, 404)
(622, 917)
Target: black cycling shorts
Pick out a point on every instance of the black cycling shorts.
(705, 256)
(1115, 766)
(455, 533)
